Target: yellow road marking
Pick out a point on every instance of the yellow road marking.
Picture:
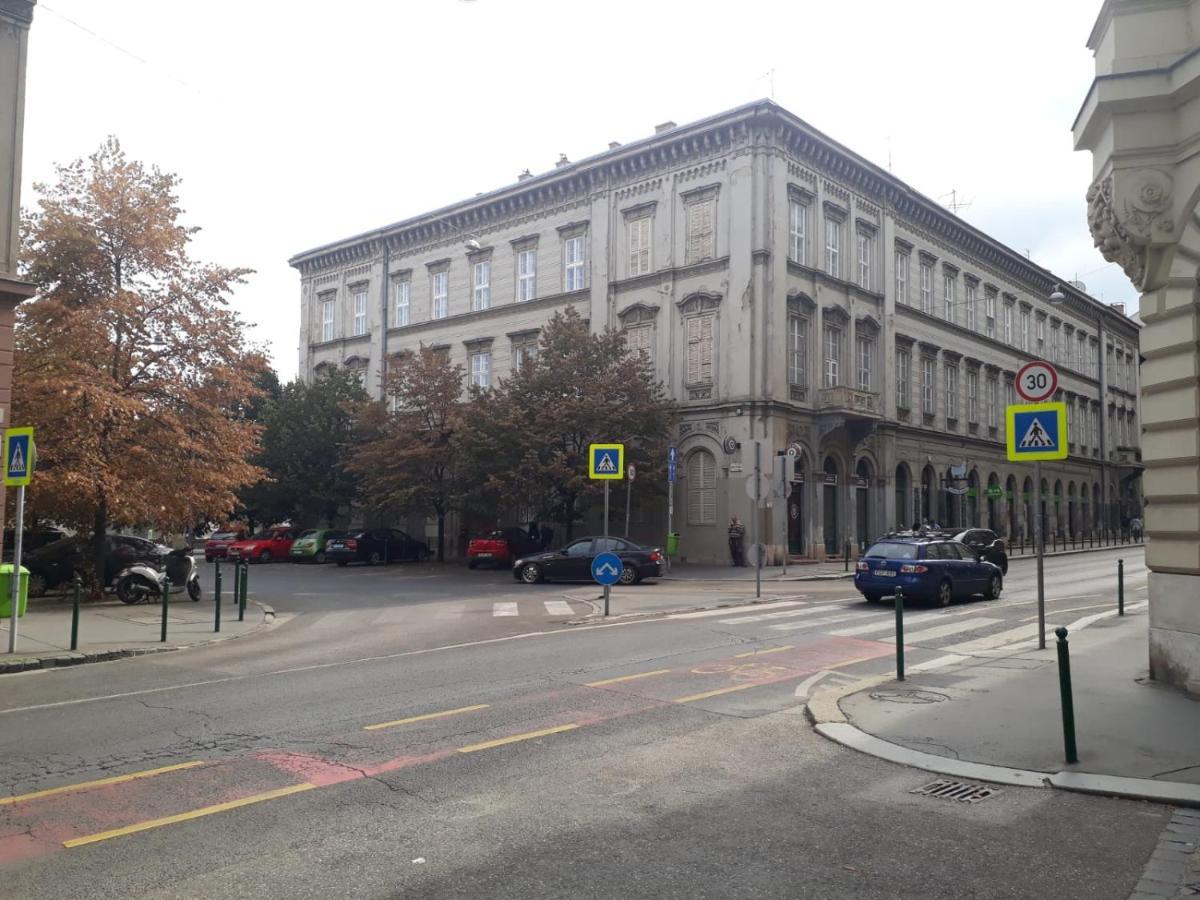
(719, 691)
(499, 742)
(626, 678)
(99, 782)
(850, 662)
(764, 652)
(434, 715)
(184, 817)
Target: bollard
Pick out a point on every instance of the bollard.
(242, 594)
(217, 605)
(75, 614)
(217, 579)
(1068, 705)
(846, 558)
(237, 582)
(1120, 587)
(899, 634)
(165, 590)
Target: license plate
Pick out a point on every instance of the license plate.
(886, 573)
(334, 545)
(484, 555)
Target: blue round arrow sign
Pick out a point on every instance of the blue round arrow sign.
(607, 568)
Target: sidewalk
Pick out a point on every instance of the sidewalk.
(1135, 738)
(111, 629)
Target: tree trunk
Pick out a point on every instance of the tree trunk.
(99, 530)
(441, 536)
(569, 515)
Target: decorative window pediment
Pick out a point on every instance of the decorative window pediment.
(835, 315)
(637, 313)
(867, 325)
(800, 304)
(699, 302)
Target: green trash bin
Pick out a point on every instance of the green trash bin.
(673, 543)
(6, 591)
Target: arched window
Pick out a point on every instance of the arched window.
(701, 489)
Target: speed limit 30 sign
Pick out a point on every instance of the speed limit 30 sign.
(1036, 381)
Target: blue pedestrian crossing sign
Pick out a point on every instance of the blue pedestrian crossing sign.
(1037, 431)
(18, 456)
(606, 461)
(607, 568)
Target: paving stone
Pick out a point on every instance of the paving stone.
(1153, 886)
(1165, 871)
(1168, 855)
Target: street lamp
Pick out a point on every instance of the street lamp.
(1057, 297)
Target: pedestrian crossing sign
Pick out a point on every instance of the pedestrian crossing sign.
(19, 456)
(606, 461)
(1037, 431)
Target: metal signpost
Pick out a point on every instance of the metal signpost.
(754, 521)
(1037, 431)
(18, 470)
(630, 472)
(671, 460)
(606, 462)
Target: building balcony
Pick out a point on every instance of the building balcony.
(847, 401)
(1128, 456)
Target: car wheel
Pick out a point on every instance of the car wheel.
(193, 589)
(265, 556)
(945, 594)
(995, 586)
(874, 598)
(342, 563)
(320, 557)
(36, 585)
(423, 555)
(629, 575)
(531, 573)
(374, 559)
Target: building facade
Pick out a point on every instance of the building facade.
(1141, 121)
(791, 294)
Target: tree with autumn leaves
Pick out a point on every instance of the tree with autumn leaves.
(129, 362)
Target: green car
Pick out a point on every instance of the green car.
(310, 546)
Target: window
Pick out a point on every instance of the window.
(989, 312)
(948, 297)
(797, 360)
(481, 368)
(701, 488)
(1025, 330)
(526, 274)
(1081, 356)
(440, 290)
(700, 231)
(928, 401)
(700, 350)
(903, 378)
(574, 270)
(927, 287)
(327, 311)
(402, 290)
(1068, 347)
(866, 255)
(640, 339)
(1054, 332)
(524, 349)
(972, 300)
(833, 246)
(992, 391)
(951, 391)
(481, 297)
(359, 326)
(1008, 331)
(1041, 336)
(639, 246)
(902, 277)
(833, 355)
(797, 231)
(865, 355)
(972, 396)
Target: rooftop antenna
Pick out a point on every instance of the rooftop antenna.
(955, 204)
(889, 149)
(770, 74)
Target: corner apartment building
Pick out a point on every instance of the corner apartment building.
(790, 293)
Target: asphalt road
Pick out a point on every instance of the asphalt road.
(402, 739)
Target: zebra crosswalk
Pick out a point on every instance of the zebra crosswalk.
(558, 608)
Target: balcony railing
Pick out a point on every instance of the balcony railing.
(849, 400)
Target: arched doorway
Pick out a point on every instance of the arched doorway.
(1011, 499)
(903, 503)
(1072, 511)
(797, 521)
(1097, 512)
(829, 502)
(862, 503)
(972, 500)
(1045, 510)
(928, 497)
(1027, 500)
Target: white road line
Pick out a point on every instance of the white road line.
(999, 639)
(559, 608)
(707, 613)
(940, 631)
(504, 609)
(929, 665)
(888, 624)
(786, 614)
(814, 623)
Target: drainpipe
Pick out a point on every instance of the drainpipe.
(383, 342)
(1102, 376)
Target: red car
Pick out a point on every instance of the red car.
(501, 547)
(217, 546)
(274, 543)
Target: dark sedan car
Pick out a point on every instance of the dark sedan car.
(374, 546)
(987, 544)
(574, 561)
(927, 569)
(55, 564)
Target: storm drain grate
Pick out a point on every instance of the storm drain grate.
(956, 790)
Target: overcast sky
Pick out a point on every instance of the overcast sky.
(296, 124)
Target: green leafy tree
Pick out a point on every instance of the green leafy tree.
(526, 440)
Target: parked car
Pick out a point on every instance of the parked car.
(217, 546)
(56, 564)
(374, 546)
(501, 547)
(933, 569)
(574, 561)
(310, 545)
(987, 544)
(274, 543)
(32, 539)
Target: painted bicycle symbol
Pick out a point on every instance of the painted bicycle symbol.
(741, 671)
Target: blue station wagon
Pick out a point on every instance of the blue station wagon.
(927, 569)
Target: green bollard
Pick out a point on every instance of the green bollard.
(1120, 587)
(237, 581)
(75, 614)
(217, 605)
(846, 566)
(1068, 705)
(217, 580)
(899, 634)
(165, 590)
(242, 594)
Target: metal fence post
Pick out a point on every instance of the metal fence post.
(164, 588)
(75, 614)
(899, 634)
(1120, 587)
(1064, 687)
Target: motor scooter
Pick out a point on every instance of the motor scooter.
(142, 581)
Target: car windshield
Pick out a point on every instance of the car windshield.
(889, 550)
(223, 536)
(310, 533)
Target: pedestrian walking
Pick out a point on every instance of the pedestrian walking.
(737, 537)
(1135, 527)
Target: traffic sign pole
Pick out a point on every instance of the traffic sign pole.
(1039, 539)
(606, 587)
(754, 521)
(15, 586)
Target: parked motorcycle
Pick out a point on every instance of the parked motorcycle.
(142, 581)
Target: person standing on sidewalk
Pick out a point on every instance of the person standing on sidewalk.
(737, 537)
(1135, 528)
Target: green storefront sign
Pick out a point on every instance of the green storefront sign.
(995, 492)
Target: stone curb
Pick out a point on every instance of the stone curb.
(66, 658)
